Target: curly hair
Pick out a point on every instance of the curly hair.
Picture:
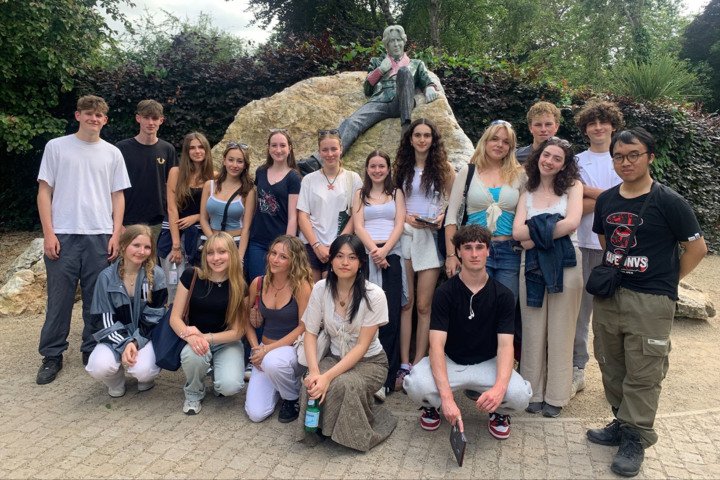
(234, 313)
(511, 170)
(388, 187)
(564, 179)
(437, 169)
(596, 109)
(246, 183)
(543, 108)
(300, 273)
(291, 156)
(188, 168)
(126, 238)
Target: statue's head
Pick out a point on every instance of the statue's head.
(394, 39)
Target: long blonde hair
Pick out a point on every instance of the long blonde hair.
(188, 169)
(234, 313)
(300, 272)
(511, 170)
(131, 233)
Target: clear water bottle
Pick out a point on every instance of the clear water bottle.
(435, 207)
(312, 416)
(173, 275)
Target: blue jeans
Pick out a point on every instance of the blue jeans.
(228, 366)
(503, 264)
(255, 260)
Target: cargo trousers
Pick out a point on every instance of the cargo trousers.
(632, 343)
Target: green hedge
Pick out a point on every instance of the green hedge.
(205, 96)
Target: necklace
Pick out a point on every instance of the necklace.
(344, 302)
(330, 185)
(277, 290)
(217, 282)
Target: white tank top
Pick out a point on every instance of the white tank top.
(560, 207)
(417, 202)
(380, 220)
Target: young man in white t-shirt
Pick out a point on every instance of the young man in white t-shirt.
(597, 120)
(80, 201)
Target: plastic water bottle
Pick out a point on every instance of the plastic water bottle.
(173, 275)
(435, 207)
(312, 416)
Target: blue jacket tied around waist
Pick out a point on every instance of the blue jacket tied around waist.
(544, 264)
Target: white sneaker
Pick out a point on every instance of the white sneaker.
(192, 407)
(145, 386)
(117, 392)
(578, 381)
(248, 372)
(380, 394)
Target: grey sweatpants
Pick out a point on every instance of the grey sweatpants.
(82, 258)
(420, 384)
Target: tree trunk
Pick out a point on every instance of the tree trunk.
(435, 23)
(385, 7)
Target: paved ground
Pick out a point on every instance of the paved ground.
(73, 429)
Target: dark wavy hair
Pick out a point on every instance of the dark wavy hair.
(565, 177)
(388, 187)
(604, 111)
(436, 169)
(291, 156)
(359, 289)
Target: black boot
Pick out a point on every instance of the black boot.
(609, 435)
(629, 457)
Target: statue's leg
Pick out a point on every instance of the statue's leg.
(362, 119)
(405, 87)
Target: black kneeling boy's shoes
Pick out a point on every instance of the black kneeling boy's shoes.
(49, 370)
(629, 457)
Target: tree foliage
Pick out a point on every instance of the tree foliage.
(701, 46)
(46, 45)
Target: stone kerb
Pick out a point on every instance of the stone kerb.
(322, 103)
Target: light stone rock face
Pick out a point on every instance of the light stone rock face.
(32, 255)
(23, 293)
(322, 103)
(693, 303)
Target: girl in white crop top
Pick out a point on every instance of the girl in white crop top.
(379, 218)
(421, 169)
(548, 331)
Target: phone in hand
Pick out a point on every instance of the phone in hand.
(427, 221)
(458, 442)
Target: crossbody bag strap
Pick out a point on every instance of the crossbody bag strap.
(227, 207)
(186, 310)
(470, 174)
(633, 229)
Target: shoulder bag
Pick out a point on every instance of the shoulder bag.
(166, 344)
(256, 319)
(605, 279)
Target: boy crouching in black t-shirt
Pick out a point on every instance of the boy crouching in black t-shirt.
(471, 344)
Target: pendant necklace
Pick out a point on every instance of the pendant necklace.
(277, 290)
(330, 185)
(344, 302)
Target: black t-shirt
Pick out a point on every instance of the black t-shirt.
(472, 322)
(653, 263)
(208, 303)
(148, 167)
(271, 213)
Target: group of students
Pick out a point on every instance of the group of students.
(285, 263)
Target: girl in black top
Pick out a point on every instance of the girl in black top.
(216, 322)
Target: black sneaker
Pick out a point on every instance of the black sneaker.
(49, 369)
(289, 411)
(472, 395)
(85, 358)
(629, 457)
(610, 435)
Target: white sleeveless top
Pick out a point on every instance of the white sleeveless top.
(380, 220)
(417, 202)
(560, 207)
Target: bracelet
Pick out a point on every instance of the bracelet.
(450, 255)
(212, 340)
(315, 244)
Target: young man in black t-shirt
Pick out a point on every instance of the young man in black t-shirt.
(471, 344)
(632, 328)
(148, 160)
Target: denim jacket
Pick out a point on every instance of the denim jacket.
(544, 264)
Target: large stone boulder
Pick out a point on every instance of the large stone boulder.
(322, 103)
(693, 303)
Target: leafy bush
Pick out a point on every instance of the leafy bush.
(661, 78)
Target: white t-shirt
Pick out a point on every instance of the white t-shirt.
(83, 176)
(596, 170)
(323, 204)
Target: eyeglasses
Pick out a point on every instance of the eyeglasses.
(334, 131)
(500, 122)
(558, 141)
(243, 146)
(633, 157)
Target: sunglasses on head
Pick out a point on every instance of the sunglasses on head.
(558, 141)
(334, 131)
(243, 146)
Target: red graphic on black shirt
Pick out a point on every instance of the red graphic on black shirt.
(619, 241)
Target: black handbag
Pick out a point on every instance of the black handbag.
(605, 279)
(166, 344)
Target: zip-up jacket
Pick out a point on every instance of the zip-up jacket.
(116, 319)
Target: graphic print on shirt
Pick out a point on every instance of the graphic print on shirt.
(623, 221)
(267, 203)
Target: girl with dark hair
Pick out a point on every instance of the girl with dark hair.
(128, 301)
(277, 185)
(325, 202)
(425, 176)
(282, 295)
(547, 216)
(350, 309)
(180, 234)
(216, 322)
(233, 186)
(378, 218)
